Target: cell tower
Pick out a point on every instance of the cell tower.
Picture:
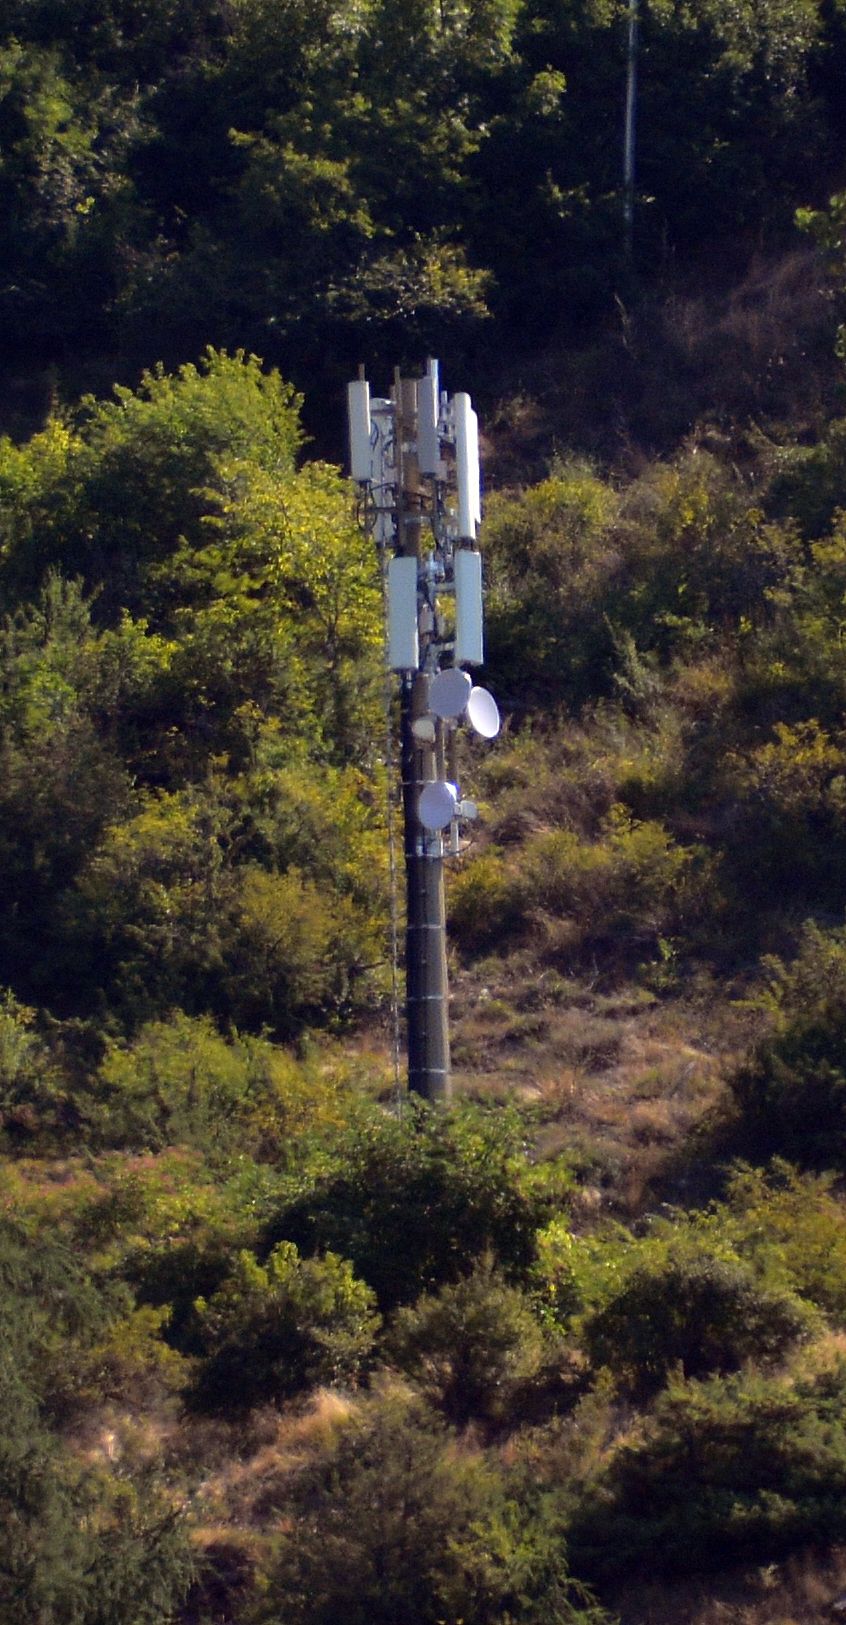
(415, 456)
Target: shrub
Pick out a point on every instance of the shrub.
(413, 1202)
(34, 1108)
(393, 1526)
(790, 811)
(637, 868)
(171, 923)
(699, 1312)
(469, 1345)
(75, 1546)
(811, 481)
(78, 1547)
(273, 1329)
(791, 1226)
(54, 1307)
(178, 1082)
(629, 886)
(132, 1365)
(483, 907)
(737, 1470)
(551, 560)
(790, 1096)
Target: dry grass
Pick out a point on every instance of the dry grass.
(619, 1081)
(801, 1591)
(246, 1490)
(759, 348)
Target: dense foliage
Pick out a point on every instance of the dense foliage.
(191, 684)
(316, 178)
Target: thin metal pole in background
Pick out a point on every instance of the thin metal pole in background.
(630, 137)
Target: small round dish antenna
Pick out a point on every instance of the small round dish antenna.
(438, 802)
(483, 713)
(423, 729)
(449, 692)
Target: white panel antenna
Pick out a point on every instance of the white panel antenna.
(467, 467)
(475, 465)
(469, 640)
(358, 418)
(403, 643)
(428, 411)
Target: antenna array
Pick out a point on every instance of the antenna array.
(415, 455)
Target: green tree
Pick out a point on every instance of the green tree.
(65, 135)
(231, 620)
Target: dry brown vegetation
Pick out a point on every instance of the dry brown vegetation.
(808, 1590)
(620, 1080)
(758, 349)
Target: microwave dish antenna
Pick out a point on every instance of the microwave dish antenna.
(449, 693)
(483, 713)
(438, 803)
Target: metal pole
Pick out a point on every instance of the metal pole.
(629, 142)
(427, 994)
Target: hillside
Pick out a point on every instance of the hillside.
(278, 1344)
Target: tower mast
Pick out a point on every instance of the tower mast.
(414, 455)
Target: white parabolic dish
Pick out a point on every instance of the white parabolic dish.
(483, 713)
(449, 692)
(437, 805)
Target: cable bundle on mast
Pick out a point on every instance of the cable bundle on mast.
(415, 455)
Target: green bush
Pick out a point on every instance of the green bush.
(468, 1346)
(791, 808)
(483, 906)
(697, 1312)
(80, 1547)
(789, 1098)
(180, 1083)
(170, 1225)
(413, 1202)
(273, 1329)
(629, 882)
(391, 1525)
(790, 1226)
(165, 921)
(811, 480)
(552, 557)
(34, 1109)
(630, 885)
(743, 1469)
